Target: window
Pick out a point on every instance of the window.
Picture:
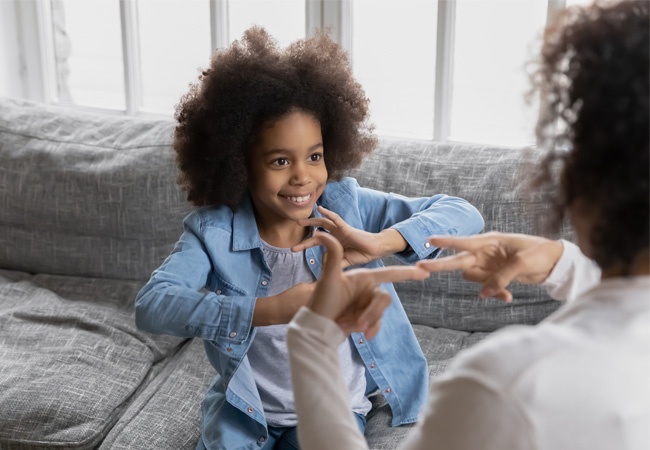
(284, 19)
(449, 70)
(143, 54)
(489, 79)
(394, 58)
(87, 55)
(174, 42)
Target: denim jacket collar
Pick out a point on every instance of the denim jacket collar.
(245, 235)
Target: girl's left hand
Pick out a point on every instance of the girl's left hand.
(359, 246)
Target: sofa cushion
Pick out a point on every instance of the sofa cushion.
(171, 402)
(69, 365)
(84, 194)
(491, 180)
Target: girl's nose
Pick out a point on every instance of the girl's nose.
(300, 174)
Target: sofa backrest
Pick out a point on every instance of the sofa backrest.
(490, 178)
(96, 195)
(86, 194)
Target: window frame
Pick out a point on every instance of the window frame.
(38, 68)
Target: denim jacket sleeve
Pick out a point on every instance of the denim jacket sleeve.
(174, 302)
(418, 218)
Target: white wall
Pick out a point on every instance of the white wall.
(11, 83)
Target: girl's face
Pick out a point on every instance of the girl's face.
(287, 172)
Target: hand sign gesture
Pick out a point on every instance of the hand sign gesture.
(497, 259)
(353, 298)
(359, 246)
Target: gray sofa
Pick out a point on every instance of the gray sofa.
(89, 207)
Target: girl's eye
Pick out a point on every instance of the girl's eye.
(316, 157)
(281, 162)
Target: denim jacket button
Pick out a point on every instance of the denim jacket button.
(218, 291)
(229, 349)
(360, 341)
(264, 282)
(262, 439)
(427, 245)
(250, 410)
(372, 365)
(233, 334)
(312, 261)
(387, 390)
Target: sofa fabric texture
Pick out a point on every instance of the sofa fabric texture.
(86, 194)
(89, 207)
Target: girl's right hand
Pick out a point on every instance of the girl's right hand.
(359, 246)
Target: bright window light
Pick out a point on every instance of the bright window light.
(493, 41)
(283, 19)
(394, 54)
(174, 45)
(474, 55)
(88, 53)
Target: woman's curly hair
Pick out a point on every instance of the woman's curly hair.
(254, 81)
(594, 84)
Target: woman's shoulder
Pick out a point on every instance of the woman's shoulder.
(512, 353)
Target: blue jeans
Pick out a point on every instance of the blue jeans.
(286, 438)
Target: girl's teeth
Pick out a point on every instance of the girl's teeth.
(299, 199)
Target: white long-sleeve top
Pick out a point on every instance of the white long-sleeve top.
(577, 380)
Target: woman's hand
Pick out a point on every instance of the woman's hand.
(359, 246)
(353, 298)
(497, 259)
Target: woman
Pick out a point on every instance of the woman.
(579, 378)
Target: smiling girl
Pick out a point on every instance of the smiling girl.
(262, 142)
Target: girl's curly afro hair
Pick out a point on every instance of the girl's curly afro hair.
(594, 80)
(252, 82)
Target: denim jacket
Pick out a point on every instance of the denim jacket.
(208, 286)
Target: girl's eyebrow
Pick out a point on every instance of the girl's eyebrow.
(284, 151)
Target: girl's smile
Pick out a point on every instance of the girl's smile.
(287, 175)
(300, 200)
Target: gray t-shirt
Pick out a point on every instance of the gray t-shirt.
(269, 357)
